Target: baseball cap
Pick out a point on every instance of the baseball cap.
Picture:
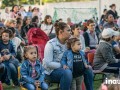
(116, 33)
(107, 33)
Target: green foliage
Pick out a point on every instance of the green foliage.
(9, 3)
(6, 3)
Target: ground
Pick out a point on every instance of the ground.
(96, 85)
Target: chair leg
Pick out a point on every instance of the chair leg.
(103, 77)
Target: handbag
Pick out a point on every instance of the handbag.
(51, 35)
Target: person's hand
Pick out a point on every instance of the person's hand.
(37, 83)
(1, 59)
(87, 49)
(114, 28)
(97, 46)
(88, 66)
(65, 67)
(6, 57)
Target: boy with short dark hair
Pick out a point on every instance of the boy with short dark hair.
(8, 54)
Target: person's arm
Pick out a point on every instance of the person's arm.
(82, 41)
(64, 59)
(108, 55)
(48, 57)
(12, 49)
(42, 76)
(118, 22)
(116, 48)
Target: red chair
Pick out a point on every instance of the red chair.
(90, 58)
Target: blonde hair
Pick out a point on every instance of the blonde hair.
(12, 21)
(27, 48)
(6, 23)
(114, 86)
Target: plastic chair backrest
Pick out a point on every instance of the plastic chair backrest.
(90, 58)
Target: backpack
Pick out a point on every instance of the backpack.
(38, 38)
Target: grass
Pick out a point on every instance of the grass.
(96, 85)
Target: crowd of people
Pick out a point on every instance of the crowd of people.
(65, 54)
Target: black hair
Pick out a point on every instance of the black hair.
(9, 32)
(112, 5)
(73, 27)
(24, 20)
(12, 29)
(107, 15)
(34, 18)
(104, 10)
(18, 20)
(106, 39)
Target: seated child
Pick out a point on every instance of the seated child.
(31, 71)
(8, 59)
(74, 60)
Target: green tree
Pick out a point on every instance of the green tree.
(8, 3)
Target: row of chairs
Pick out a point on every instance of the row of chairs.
(90, 57)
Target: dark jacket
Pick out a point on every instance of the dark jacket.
(9, 47)
(104, 56)
(115, 15)
(87, 39)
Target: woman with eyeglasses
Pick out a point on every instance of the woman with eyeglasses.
(90, 36)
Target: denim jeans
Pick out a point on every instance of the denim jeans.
(2, 70)
(64, 76)
(116, 71)
(29, 86)
(76, 83)
(88, 79)
(11, 73)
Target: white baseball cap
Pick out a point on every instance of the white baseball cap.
(107, 33)
(116, 33)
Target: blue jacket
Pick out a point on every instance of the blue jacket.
(26, 72)
(67, 59)
(9, 47)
